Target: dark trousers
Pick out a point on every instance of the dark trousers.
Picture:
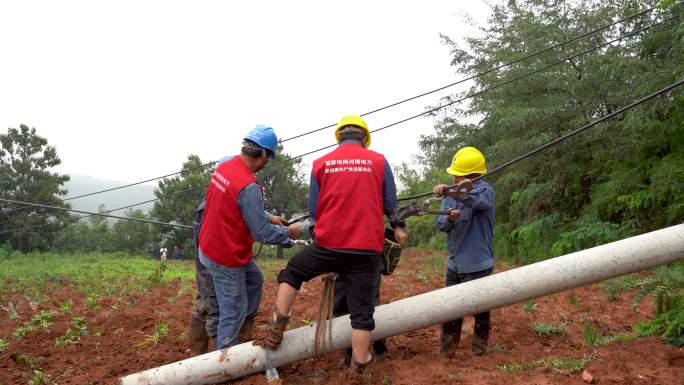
(482, 320)
(360, 273)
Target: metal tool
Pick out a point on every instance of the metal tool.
(271, 371)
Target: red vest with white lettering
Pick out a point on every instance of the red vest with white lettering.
(225, 237)
(349, 214)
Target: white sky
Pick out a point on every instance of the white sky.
(127, 89)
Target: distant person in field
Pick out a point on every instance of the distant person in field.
(176, 252)
(469, 228)
(162, 253)
(351, 189)
(233, 219)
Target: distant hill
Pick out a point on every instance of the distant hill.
(83, 184)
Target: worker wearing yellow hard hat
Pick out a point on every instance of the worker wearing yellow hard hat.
(353, 123)
(469, 229)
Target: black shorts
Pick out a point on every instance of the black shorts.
(358, 272)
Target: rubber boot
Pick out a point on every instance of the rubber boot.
(480, 337)
(451, 335)
(379, 349)
(245, 333)
(346, 358)
(355, 374)
(197, 335)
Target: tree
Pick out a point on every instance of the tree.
(617, 179)
(179, 197)
(25, 163)
(284, 189)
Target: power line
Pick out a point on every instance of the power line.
(74, 220)
(564, 137)
(496, 86)
(93, 213)
(537, 53)
(508, 64)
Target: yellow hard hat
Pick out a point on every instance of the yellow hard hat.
(353, 120)
(468, 160)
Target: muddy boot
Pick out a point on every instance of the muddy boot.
(355, 374)
(245, 333)
(480, 337)
(451, 335)
(379, 349)
(197, 335)
(346, 358)
(273, 335)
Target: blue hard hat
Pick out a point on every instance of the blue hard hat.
(263, 136)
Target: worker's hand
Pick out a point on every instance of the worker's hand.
(454, 215)
(400, 235)
(461, 190)
(439, 189)
(278, 220)
(295, 231)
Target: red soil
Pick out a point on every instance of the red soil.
(413, 359)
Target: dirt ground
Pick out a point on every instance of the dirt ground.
(118, 329)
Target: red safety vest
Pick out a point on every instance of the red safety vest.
(225, 237)
(349, 214)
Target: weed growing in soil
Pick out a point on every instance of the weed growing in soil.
(66, 306)
(38, 377)
(44, 319)
(498, 347)
(3, 345)
(161, 329)
(544, 329)
(530, 307)
(569, 365)
(592, 337)
(616, 286)
(78, 329)
(11, 310)
(575, 301)
(515, 367)
(21, 331)
(92, 302)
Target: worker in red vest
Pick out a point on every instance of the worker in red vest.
(350, 190)
(233, 220)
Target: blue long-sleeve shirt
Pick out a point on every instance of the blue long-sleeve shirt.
(469, 239)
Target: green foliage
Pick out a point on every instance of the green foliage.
(575, 301)
(666, 286)
(11, 310)
(616, 180)
(616, 286)
(592, 337)
(161, 329)
(22, 330)
(530, 307)
(44, 319)
(3, 345)
(96, 274)
(569, 365)
(78, 329)
(25, 163)
(544, 329)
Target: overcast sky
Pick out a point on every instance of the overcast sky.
(127, 89)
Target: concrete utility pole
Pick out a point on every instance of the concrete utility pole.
(510, 287)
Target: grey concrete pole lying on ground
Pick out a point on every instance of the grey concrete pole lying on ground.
(512, 286)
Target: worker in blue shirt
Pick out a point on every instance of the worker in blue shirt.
(469, 228)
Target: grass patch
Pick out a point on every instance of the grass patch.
(97, 274)
(575, 301)
(530, 307)
(559, 365)
(3, 345)
(616, 286)
(21, 331)
(11, 311)
(544, 329)
(161, 329)
(78, 329)
(569, 365)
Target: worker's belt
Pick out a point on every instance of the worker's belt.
(391, 253)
